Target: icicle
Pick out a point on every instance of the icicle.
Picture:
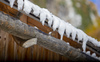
(79, 35)
(56, 22)
(27, 6)
(20, 4)
(11, 2)
(73, 33)
(85, 39)
(48, 14)
(61, 28)
(68, 30)
(36, 10)
(49, 17)
(42, 16)
(88, 52)
(50, 22)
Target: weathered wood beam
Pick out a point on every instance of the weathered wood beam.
(25, 32)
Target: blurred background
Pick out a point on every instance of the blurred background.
(83, 14)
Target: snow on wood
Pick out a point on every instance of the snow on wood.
(93, 55)
(63, 27)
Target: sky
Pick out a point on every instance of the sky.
(97, 3)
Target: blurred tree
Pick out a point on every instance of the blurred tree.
(41, 3)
